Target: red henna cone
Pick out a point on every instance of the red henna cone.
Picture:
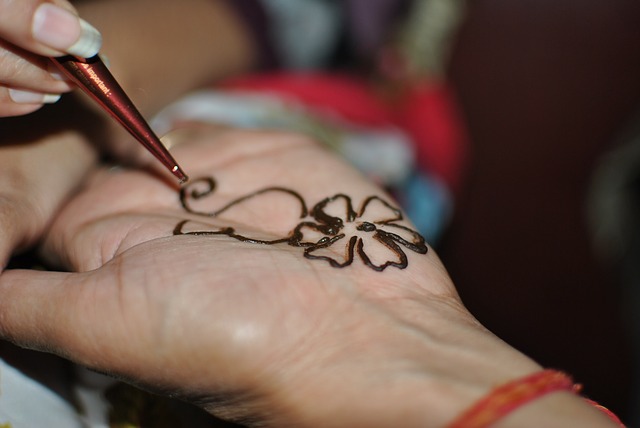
(93, 77)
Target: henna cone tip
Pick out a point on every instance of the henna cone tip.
(179, 174)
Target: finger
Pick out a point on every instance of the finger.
(27, 82)
(8, 107)
(17, 102)
(91, 319)
(24, 70)
(27, 298)
(48, 28)
(69, 315)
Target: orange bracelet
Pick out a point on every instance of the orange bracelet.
(510, 396)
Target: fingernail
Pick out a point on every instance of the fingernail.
(28, 97)
(60, 29)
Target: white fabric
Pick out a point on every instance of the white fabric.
(25, 403)
(305, 31)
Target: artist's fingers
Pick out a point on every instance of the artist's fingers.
(31, 31)
(27, 81)
(49, 28)
(17, 102)
(9, 108)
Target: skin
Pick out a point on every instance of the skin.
(46, 155)
(288, 341)
(206, 41)
(183, 45)
(258, 333)
(23, 60)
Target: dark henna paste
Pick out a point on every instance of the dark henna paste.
(328, 225)
(185, 195)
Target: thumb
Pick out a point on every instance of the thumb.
(38, 309)
(50, 28)
(83, 317)
(67, 314)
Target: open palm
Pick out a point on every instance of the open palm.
(279, 276)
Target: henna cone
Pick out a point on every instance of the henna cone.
(93, 77)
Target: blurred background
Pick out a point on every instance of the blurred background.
(544, 243)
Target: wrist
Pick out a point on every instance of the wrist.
(557, 410)
(544, 398)
(422, 376)
(424, 379)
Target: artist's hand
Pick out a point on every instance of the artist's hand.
(43, 159)
(246, 329)
(31, 31)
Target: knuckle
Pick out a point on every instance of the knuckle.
(23, 70)
(9, 67)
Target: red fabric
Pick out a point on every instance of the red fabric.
(427, 113)
(339, 94)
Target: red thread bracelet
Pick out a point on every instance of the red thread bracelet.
(512, 395)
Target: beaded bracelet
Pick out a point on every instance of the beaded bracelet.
(512, 395)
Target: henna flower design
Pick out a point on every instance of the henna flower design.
(373, 229)
(336, 233)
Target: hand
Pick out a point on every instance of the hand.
(43, 159)
(31, 31)
(256, 330)
(207, 43)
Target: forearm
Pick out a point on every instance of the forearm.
(429, 375)
(160, 49)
